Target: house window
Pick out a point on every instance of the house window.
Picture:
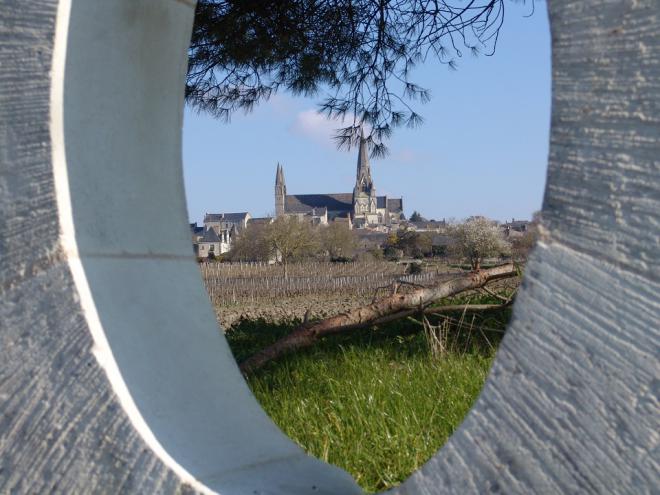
(212, 247)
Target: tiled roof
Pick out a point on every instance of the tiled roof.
(226, 217)
(302, 203)
(210, 236)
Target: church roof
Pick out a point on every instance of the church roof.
(301, 203)
(395, 205)
(337, 203)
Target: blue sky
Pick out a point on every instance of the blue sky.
(482, 149)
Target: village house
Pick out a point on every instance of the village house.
(211, 244)
(226, 221)
(515, 228)
(197, 232)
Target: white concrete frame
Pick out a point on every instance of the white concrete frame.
(113, 374)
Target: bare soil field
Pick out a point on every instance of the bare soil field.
(286, 309)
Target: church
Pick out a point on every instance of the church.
(361, 208)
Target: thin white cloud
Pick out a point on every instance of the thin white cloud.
(317, 127)
(312, 125)
(405, 155)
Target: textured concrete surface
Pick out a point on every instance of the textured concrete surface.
(571, 405)
(114, 375)
(61, 427)
(603, 192)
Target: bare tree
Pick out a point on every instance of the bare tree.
(291, 238)
(521, 246)
(252, 244)
(338, 240)
(478, 238)
(359, 52)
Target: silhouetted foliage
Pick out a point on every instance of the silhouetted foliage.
(417, 217)
(359, 52)
(415, 268)
(440, 251)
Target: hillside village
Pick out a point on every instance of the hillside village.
(372, 218)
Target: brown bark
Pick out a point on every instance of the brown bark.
(377, 312)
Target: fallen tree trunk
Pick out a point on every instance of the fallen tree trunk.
(374, 313)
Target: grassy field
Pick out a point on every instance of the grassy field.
(375, 402)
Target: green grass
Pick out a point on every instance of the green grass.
(374, 402)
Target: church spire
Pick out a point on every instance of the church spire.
(280, 191)
(279, 177)
(363, 180)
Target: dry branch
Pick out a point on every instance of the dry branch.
(470, 308)
(380, 311)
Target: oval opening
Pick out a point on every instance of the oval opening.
(380, 400)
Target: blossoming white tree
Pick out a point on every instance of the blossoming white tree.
(478, 238)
